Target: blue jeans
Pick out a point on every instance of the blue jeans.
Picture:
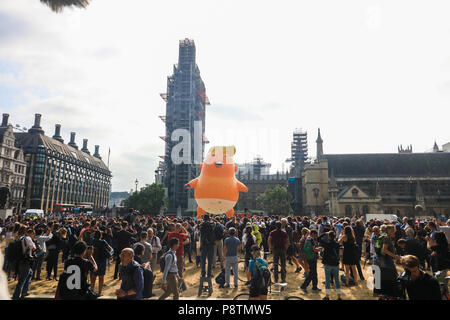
(231, 262)
(207, 251)
(332, 271)
(25, 274)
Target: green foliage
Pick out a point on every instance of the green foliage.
(149, 200)
(276, 201)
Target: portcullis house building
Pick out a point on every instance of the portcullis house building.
(59, 173)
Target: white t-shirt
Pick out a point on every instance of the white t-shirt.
(28, 245)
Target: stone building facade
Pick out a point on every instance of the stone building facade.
(12, 166)
(392, 183)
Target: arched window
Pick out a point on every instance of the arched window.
(348, 210)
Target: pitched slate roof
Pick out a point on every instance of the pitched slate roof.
(434, 164)
(33, 140)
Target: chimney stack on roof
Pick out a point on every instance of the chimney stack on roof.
(85, 148)
(72, 141)
(5, 120)
(57, 135)
(96, 154)
(37, 125)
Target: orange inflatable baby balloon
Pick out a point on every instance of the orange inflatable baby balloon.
(217, 189)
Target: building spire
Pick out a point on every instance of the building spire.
(319, 143)
(435, 147)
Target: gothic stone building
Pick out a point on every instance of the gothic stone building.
(393, 183)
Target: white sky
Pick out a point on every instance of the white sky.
(371, 74)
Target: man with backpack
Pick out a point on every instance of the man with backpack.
(132, 275)
(83, 266)
(258, 274)
(170, 271)
(147, 256)
(311, 249)
(22, 255)
(207, 241)
(218, 243)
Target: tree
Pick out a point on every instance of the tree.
(149, 200)
(59, 5)
(276, 201)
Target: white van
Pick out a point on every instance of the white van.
(34, 213)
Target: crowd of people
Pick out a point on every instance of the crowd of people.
(140, 248)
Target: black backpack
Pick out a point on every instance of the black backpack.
(148, 283)
(207, 234)
(162, 261)
(220, 279)
(218, 232)
(14, 252)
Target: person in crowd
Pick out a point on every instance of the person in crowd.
(258, 286)
(41, 238)
(230, 255)
(102, 252)
(147, 255)
(53, 247)
(170, 273)
(24, 267)
(311, 249)
(301, 250)
(85, 266)
(124, 238)
(350, 256)
(207, 242)
(248, 240)
(279, 243)
(440, 256)
(219, 234)
(419, 285)
(182, 235)
(155, 242)
(132, 276)
(188, 246)
(290, 252)
(330, 261)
